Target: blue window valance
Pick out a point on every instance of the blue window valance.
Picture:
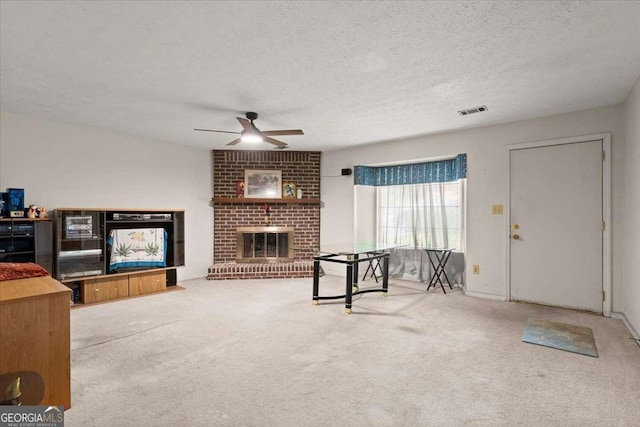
(414, 173)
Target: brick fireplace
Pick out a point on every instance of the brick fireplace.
(231, 213)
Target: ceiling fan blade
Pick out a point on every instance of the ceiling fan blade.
(246, 124)
(275, 142)
(220, 131)
(282, 132)
(234, 142)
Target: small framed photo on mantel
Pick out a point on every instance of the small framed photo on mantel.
(262, 184)
(288, 190)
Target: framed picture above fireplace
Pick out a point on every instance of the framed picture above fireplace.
(262, 184)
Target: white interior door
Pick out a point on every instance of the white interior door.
(556, 252)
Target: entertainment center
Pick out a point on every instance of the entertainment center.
(106, 254)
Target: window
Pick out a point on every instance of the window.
(420, 205)
(422, 215)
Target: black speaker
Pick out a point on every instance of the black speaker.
(347, 171)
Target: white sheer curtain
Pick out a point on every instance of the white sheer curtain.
(422, 215)
(430, 215)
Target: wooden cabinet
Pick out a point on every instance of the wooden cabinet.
(146, 283)
(35, 338)
(122, 286)
(105, 289)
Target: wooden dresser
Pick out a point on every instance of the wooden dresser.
(35, 336)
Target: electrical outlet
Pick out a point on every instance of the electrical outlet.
(497, 209)
(476, 269)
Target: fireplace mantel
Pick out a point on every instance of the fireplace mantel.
(245, 200)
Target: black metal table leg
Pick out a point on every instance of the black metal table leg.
(355, 271)
(316, 280)
(379, 267)
(385, 274)
(433, 280)
(373, 268)
(349, 289)
(370, 269)
(443, 262)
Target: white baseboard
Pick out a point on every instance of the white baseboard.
(483, 295)
(627, 324)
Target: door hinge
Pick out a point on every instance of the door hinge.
(603, 155)
(603, 225)
(604, 296)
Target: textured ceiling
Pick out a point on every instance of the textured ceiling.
(346, 73)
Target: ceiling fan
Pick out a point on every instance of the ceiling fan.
(250, 133)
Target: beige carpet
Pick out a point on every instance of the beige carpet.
(258, 353)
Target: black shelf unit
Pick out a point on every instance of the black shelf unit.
(27, 240)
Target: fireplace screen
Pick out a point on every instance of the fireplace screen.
(265, 244)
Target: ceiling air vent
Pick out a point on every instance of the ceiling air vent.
(473, 110)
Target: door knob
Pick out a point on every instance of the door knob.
(516, 237)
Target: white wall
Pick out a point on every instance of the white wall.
(486, 185)
(631, 245)
(65, 166)
(364, 225)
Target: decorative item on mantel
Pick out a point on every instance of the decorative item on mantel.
(288, 190)
(267, 213)
(240, 189)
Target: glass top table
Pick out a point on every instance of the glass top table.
(357, 248)
(351, 254)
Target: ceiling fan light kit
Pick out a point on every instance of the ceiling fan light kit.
(251, 137)
(251, 134)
